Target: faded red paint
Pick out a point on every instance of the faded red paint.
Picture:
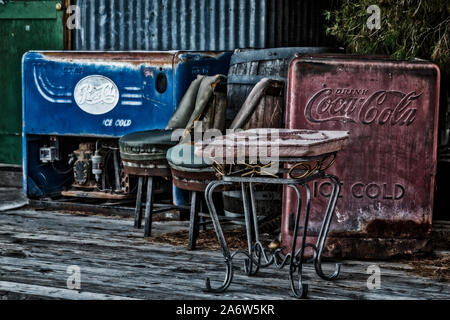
(388, 169)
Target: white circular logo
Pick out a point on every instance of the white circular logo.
(96, 94)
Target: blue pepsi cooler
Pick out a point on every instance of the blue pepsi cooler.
(76, 105)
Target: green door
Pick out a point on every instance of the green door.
(24, 26)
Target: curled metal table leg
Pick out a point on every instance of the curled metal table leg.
(258, 248)
(250, 268)
(325, 228)
(257, 256)
(296, 262)
(223, 244)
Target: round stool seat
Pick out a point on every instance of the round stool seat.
(144, 153)
(188, 171)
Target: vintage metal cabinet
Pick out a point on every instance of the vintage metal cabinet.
(75, 103)
(388, 170)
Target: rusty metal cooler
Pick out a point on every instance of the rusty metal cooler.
(388, 170)
(73, 99)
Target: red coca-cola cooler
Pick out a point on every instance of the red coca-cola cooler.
(388, 169)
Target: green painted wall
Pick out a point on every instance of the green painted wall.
(24, 26)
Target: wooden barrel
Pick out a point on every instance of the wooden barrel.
(248, 66)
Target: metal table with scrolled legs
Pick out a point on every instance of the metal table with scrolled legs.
(257, 256)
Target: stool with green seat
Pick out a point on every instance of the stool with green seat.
(262, 109)
(143, 153)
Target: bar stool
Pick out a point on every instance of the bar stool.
(143, 153)
(262, 108)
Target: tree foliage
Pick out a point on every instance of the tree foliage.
(409, 29)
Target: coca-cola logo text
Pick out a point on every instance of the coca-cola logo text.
(383, 107)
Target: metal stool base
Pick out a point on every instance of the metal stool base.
(259, 257)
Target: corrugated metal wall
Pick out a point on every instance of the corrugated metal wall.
(199, 24)
(297, 23)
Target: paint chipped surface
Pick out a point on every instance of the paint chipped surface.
(284, 143)
(388, 169)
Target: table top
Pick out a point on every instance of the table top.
(265, 143)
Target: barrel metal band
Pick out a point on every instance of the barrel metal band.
(273, 54)
(250, 79)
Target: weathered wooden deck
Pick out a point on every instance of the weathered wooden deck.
(36, 248)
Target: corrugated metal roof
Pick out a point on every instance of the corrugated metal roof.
(198, 24)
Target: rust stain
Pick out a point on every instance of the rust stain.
(388, 229)
(388, 169)
(157, 58)
(375, 248)
(185, 56)
(397, 229)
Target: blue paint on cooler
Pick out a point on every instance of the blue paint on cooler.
(134, 91)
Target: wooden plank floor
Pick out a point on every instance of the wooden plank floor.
(116, 262)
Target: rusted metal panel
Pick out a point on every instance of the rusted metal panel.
(199, 24)
(388, 169)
